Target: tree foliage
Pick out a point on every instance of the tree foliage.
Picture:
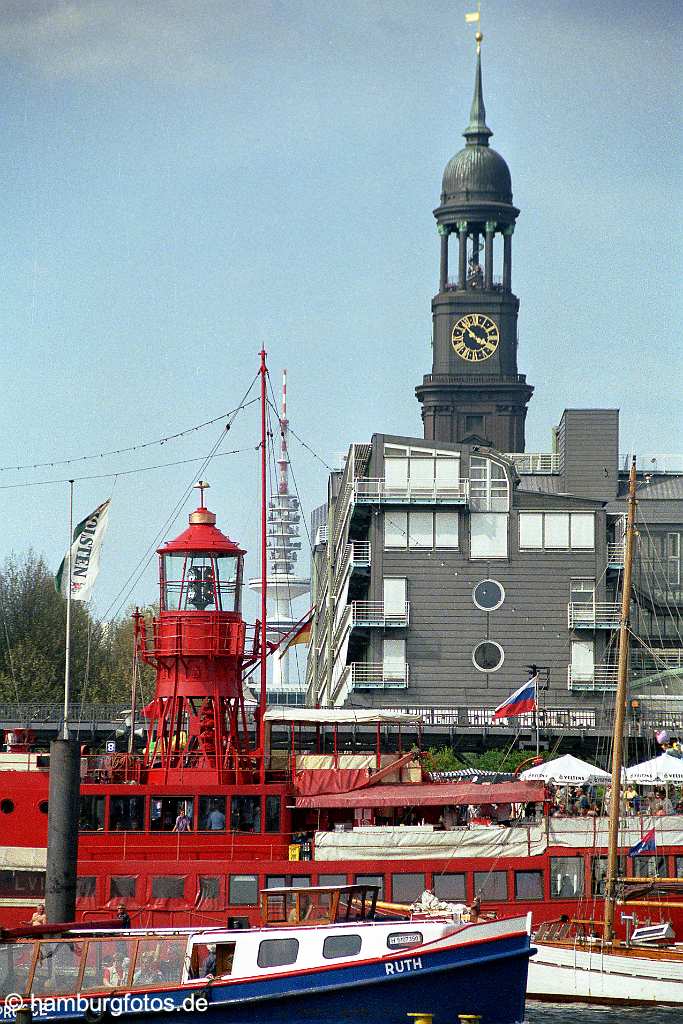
(32, 648)
(445, 759)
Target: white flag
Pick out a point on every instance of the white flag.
(85, 556)
(474, 16)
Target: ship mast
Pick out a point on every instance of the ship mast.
(620, 712)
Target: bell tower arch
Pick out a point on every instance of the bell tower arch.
(475, 389)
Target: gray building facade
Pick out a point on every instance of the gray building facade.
(446, 565)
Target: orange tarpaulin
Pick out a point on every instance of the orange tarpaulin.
(433, 794)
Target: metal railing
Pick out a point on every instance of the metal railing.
(594, 614)
(360, 554)
(657, 659)
(535, 462)
(650, 462)
(375, 491)
(29, 714)
(475, 282)
(374, 613)
(602, 678)
(369, 675)
(615, 555)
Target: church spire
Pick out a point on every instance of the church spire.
(477, 133)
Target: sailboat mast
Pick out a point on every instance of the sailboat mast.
(620, 711)
(264, 552)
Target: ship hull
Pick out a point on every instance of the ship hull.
(565, 973)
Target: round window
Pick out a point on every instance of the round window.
(42, 806)
(488, 656)
(488, 595)
(7, 806)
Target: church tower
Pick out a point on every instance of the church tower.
(474, 392)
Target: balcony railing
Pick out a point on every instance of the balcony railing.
(535, 462)
(371, 675)
(594, 614)
(368, 491)
(374, 613)
(615, 556)
(658, 659)
(360, 554)
(601, 679)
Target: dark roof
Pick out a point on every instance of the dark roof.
(477, 173)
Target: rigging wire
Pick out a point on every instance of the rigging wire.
(131, 448)
(146, 558)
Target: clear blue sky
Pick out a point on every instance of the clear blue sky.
(184, 180)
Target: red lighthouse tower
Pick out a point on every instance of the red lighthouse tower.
(197, 718)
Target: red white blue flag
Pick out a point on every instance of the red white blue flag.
(648, 844)
(522, 701)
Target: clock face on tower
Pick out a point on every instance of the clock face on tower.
(475, 337)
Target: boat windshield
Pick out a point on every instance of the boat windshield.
(63, 966)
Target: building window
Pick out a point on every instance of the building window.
(420, 470)
(556, 531)
(491, 885)
(331, 879)
(394, 594)
(393, 659)
(245, 814)
(277, 952)
(474, 425)
(421, 530)
(91, 818)
(243, 890)
(488, 535)
(489, 490)
(450, 887)
(599, 873)
(122, 887)
(272, 814)
(649, 866)
(209, 888)
(336, 946)
(416, 530)
(396, 530)
(407, 888)
(85, 886)
(446, 529)
(168, 887)
(488, 656)
(488, 595)
(212, 814)
(566, 878)
(582, 591)
(372, 880)
(528, 885)
(127, 813)
(583, 661)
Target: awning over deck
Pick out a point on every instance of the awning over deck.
(434, 794)
(338, 716)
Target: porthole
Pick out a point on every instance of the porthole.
(488, 656)
(42, 806)
(488, 595)
(6, 806)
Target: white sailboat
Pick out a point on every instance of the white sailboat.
(574, 962)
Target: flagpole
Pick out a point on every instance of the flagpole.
(67, 657)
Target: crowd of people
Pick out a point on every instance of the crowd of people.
(590, 801)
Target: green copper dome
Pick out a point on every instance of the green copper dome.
(477, 173)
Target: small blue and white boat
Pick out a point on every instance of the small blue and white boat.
(321, 956)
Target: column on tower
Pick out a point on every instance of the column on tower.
(488, 254)
(443, 272)
(507, 257)
(462, 255)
